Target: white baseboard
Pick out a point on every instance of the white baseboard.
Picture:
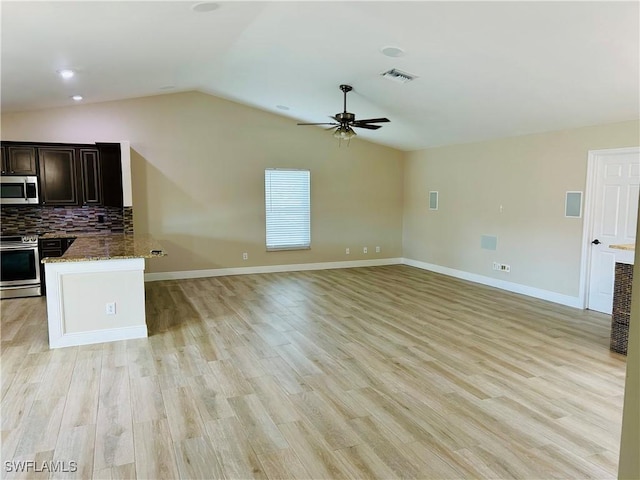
(297, 267)
(99, 336)
(567, 300)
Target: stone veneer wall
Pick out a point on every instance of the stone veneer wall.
(621, 308)
(36, 219)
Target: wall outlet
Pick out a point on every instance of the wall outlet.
(245, 256)
(364, 250)
(377, 249)
(501, 267)
(110, 308)
(347, 251)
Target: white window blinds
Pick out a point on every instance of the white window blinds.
(288, 209)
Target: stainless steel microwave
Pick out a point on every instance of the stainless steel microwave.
(19, 190)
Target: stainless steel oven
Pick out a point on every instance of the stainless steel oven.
(20, 273)
(16, 190)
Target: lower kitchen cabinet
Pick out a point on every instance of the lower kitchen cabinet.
(52, 247)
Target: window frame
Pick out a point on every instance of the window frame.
(280, 248)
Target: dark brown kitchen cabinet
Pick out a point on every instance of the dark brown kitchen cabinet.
(90, 176)
(19, 160)
(111, 174)
(58, 176)
(69, 174)
(51, 247)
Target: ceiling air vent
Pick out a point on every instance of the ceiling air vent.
(398, 75)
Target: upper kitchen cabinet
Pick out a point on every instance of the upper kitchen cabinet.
(58, 176)
(111, 174)
(69, 174)
(18, 160)
(90, 176)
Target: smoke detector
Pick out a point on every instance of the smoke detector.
(398, 76)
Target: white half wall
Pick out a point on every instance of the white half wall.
(77, 296)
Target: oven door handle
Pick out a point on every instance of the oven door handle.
(18, 247)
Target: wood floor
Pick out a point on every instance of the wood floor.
(381, 372)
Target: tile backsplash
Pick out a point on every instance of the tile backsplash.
(127, 219)
(66, 219)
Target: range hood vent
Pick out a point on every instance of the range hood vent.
(398, 76)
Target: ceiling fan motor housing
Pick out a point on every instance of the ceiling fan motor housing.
(345, 117)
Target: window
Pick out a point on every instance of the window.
(288, 209)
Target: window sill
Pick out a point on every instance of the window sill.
(283, 249)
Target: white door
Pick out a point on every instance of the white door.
(615, 210)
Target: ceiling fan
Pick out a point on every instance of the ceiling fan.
(345, 121)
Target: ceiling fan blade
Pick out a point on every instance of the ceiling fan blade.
(373, 120)
(369, 127)
(318, 124)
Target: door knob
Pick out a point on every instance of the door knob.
(596, 242)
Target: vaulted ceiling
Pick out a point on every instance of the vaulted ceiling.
(485, 69)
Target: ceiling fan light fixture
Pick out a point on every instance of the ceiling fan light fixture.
(344, 132)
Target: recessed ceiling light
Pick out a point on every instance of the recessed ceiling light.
(77, 98)
(392, 51)
(66, 73)
(205, 7)
(282, 107)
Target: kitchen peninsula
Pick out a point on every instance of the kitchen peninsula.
(95, 291)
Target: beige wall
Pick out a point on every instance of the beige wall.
(198, 178)
(528, 176)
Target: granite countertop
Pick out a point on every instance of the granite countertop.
(77, 234)
(628, 246)
(91, 247)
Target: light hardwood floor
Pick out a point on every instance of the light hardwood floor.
(382, 372)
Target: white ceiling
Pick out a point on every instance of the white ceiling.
(486, 69)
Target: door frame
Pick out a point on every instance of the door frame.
(588, 218)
